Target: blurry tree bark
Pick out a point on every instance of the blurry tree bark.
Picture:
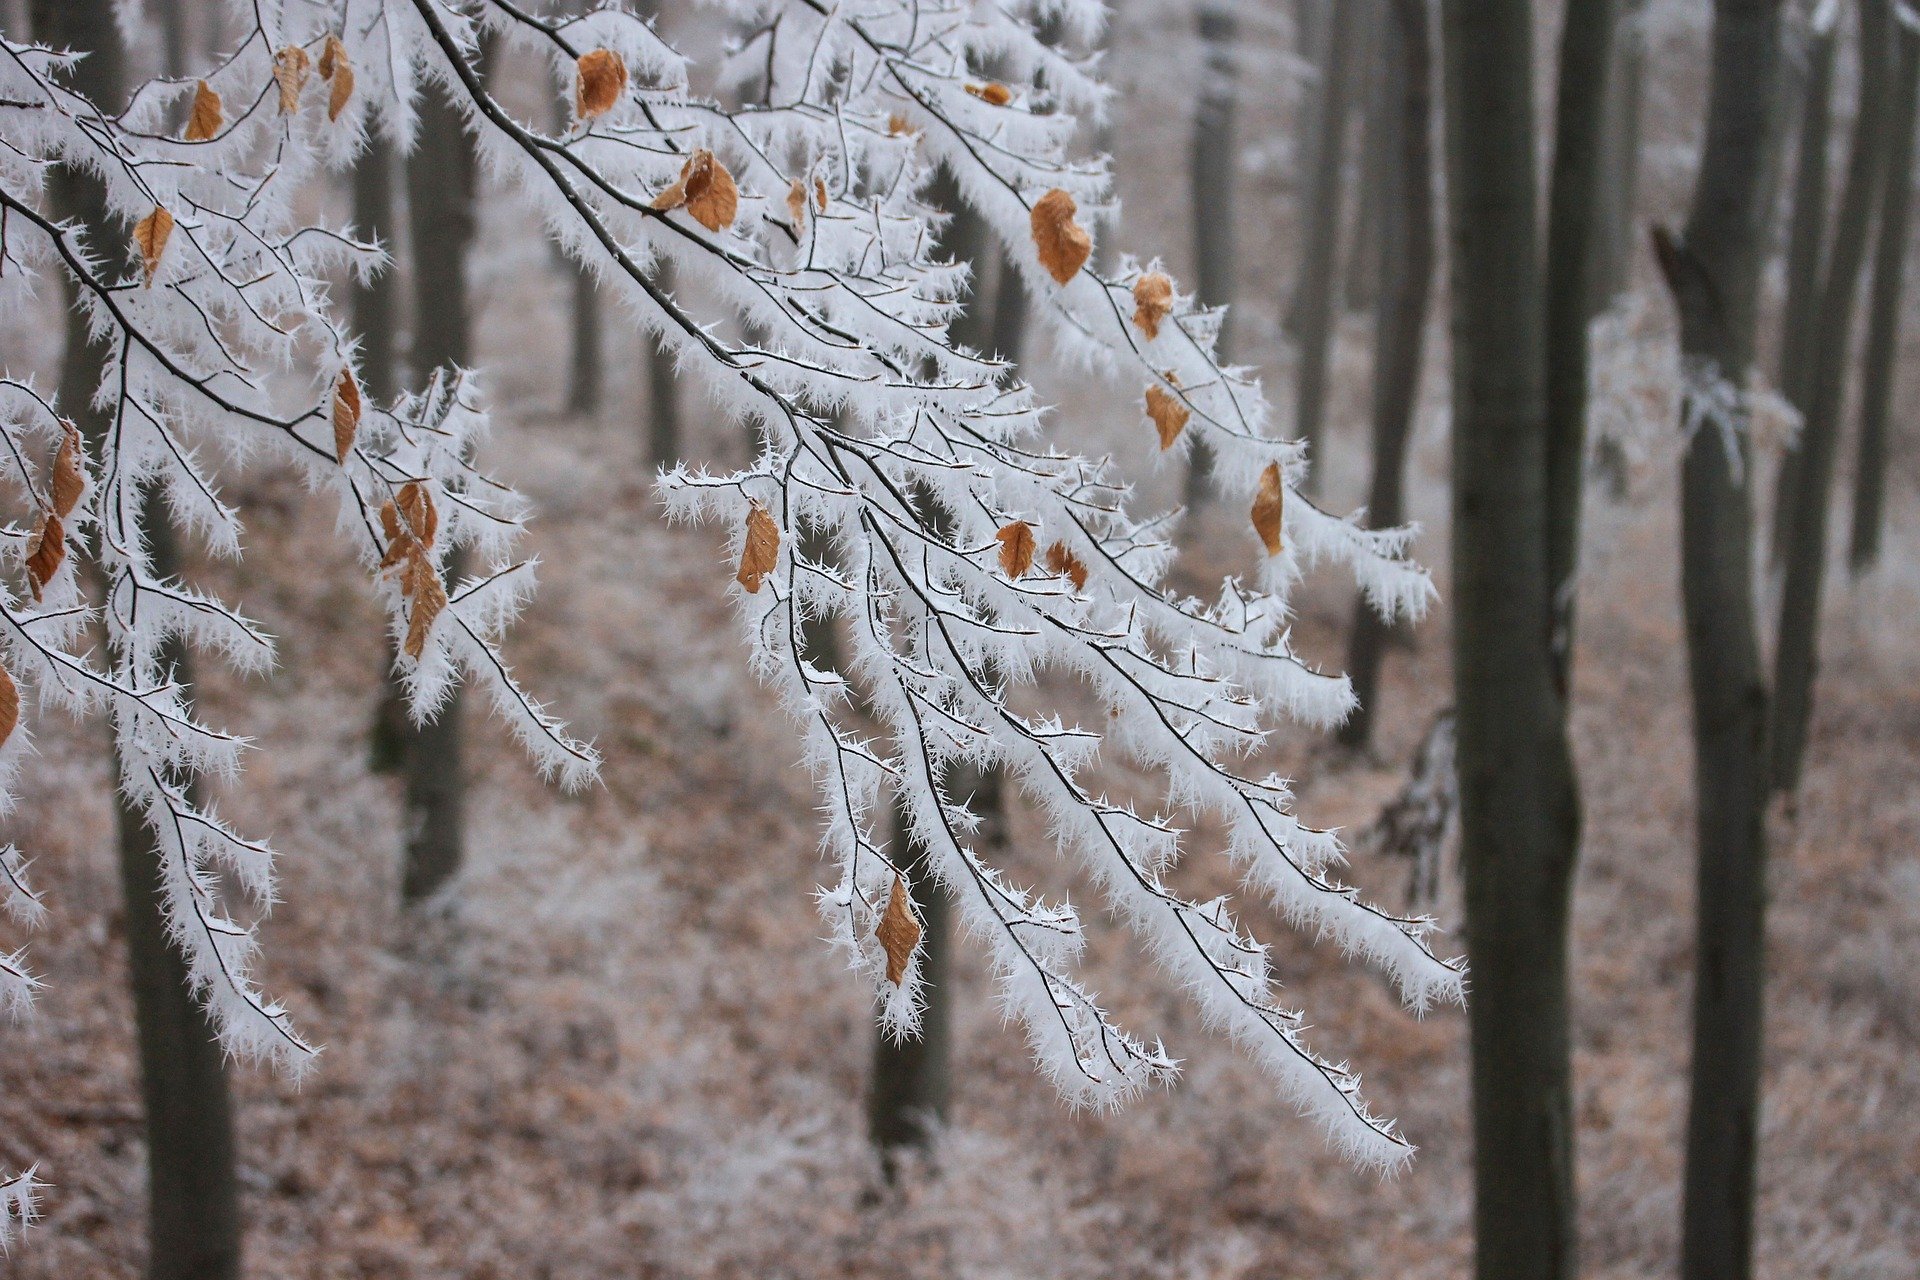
(1010, 303)
(664, 446)
(440, 195)
(193, 1200)
(1806, 250)
(1405, 272)
(1519, 805)
(584, 374)
(1573, 228)
(1619, 186)
(1313, 304)
(1882, 365)
(1796, 657)
(1214, 154)
(1378, 154)
(1714, 274)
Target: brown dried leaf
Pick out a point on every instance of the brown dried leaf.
(1063, 243)
(1269, 506)
(1063, 561)
(9, 706)
(1152, 302)
(898, 931)
(1168, 413)
(416, 505)
(342, 93)
(1016, 548)
(332, 54)
(762, 550)
(69, 479)
(150, 236)
(992, 92)
(46, 553)
(206, 117)
(429, 596)
(899, 126)
(346, 415)
(712, 198)
(602, 81)
(291, 67)
(400, 543)
(797, 207)
(820, 195)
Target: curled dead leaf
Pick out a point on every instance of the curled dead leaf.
(1168, 414)
(337, 68)
(291, 67)
(1063, 243)
(992, 92)
(69, 478)
(797, 207)
(820, 195)
(416, 506)
(1269, 508)
(333, 55)
(150, 236)
(761, 553)
(705, 188)
(346, 415)
(1016, 548)
(206, 117)
(1061, 560)
(601, 81)
(429, 597)
(9, 706)
(898, 931)
(46, 553)
(1152, 302)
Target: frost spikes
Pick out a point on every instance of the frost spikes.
(1063, 243)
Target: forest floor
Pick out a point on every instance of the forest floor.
(618, 1047)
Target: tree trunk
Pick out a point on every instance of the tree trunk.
(1715, 278)
(193, 1206)
(1400, 317)
(1796, 657)
(1620, 160)
(1313, 300)
(1214, 159)
(440, 192)
(1883, 322)
(1378, 155)
(1806, 247)
(664, 445)
(584, 372)
(1010, 305)
(1519, 811)
(1573, 203)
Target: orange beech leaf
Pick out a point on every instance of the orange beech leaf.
(416, 504)
(1152, 302)
(1016, 548)
(762, 550)
(336, 67)
(69, 480)
(993, 92)
(602, 81)
(820, 195)
(1063, 243)
(46, 553)
(705, 188)
(1168, 414)
(899, 126)
(9, 706)
(150, 236)
(333, 55)
(206, 118)
(291, 67)
(429, 596)
(898, 932)
(1269, 506)
(1062, 561)
(797, 207)
(346, 415)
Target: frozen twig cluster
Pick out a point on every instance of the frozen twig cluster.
(962, 552)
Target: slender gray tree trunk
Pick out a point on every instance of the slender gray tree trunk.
(1573, 227)
(1405, 271)
(1314, 300)
(440, 197)
(1620, 159)
(1806, 250)
(1519, 808)
(664, 446)
(1796, 657)
(1378, 154)
(1214, 155)
(1883, 318)
(1010, 305)
(193, 1204)
(1714, 273)
(584, 373)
